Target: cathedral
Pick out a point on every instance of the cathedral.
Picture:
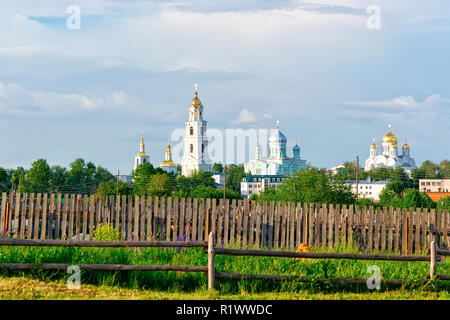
(390, 157)
(195, 155)
(277, 162)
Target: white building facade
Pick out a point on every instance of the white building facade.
(367, 188)
(390, 157)
(195, 155)
(258, 183)
(277, 162)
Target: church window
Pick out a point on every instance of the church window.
(144, 160)
(192, 148)
(191, 131)
(203, 148)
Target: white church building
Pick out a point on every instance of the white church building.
(277, 161)
(390, 157)
(195, 155)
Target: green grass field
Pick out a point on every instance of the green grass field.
(38, 284)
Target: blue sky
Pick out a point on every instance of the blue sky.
(130, 70)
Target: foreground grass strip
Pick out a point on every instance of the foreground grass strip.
(20, 288)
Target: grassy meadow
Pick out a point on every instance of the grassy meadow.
(181, 285)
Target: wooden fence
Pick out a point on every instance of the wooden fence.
(212, 251)
(244, 224)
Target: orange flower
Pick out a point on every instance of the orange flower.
(304, 248)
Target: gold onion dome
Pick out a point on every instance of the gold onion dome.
(374, 145)
(196, 101)
(142, 153)
(389, 137)
(168, 163)
(406, 145)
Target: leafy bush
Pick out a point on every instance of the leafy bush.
(106, 232)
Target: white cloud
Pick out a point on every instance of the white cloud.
(245, 116)
(15, 99)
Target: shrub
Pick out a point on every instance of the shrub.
(106, 232)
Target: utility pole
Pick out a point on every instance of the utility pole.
(357, 176)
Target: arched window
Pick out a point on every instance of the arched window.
(192, 148)
(144, 160)
(191, 131)
(203, 148)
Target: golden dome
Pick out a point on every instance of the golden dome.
(374, 145)
(142, 154)
(394, 145)
(389, 137)
(196, 101)
(168, 163)
(405, 146)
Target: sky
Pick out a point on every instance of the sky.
(335, 73)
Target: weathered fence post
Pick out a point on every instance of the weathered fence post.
(432, 260)
(211, 268)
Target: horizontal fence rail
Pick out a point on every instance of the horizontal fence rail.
(212, 251)
(237, 223)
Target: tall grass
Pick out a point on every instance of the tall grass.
(175, 281)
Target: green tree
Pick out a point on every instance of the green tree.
(217, 167)
(4, 180)
(443, 203)
(58, 178)
(159, 185)
(312, 185)
(39, 176)
(417, 199)
(235, 174)
(379, 174)
(110, 188)
(444, 168)
(431, 170)
(185, 185)
(213, 193)
(141, 177)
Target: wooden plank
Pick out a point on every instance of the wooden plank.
(9, 211)
(181, 227)
(283, 217)
(423, 226)
(364, 221)
(292, 226)
(226, 222)
(404, 223)
(377, 227)
(298, 214)
(270, 230)
(58, 216)
(30, 217)
(17, 215)
(350, 218)
(44, 215)
(233, 222)
(305, 223)
(85, 222)
(258, 220)
(201, 220)
(150, 217)
(384, 223)
(264, 224)
(195, 220)
(251, 228)
(311, 225)
(123, 215)
(64, 217)
(239, 223)
(316, 219)
(438, 227)
(337, 222)
(51, 217)
(71, 216)
(143, 216)
(23, 215)
(370, 228)
(330, 225)
(324, 222)
(416, 231)
(344, 212)
(92, 215)
(396, 221)
(136, 215)
(410, 230)
(251, 223)
(129, 218)
(3, 213)
(214, 217)
(78, 217)
(390, 228)
(188, 221)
